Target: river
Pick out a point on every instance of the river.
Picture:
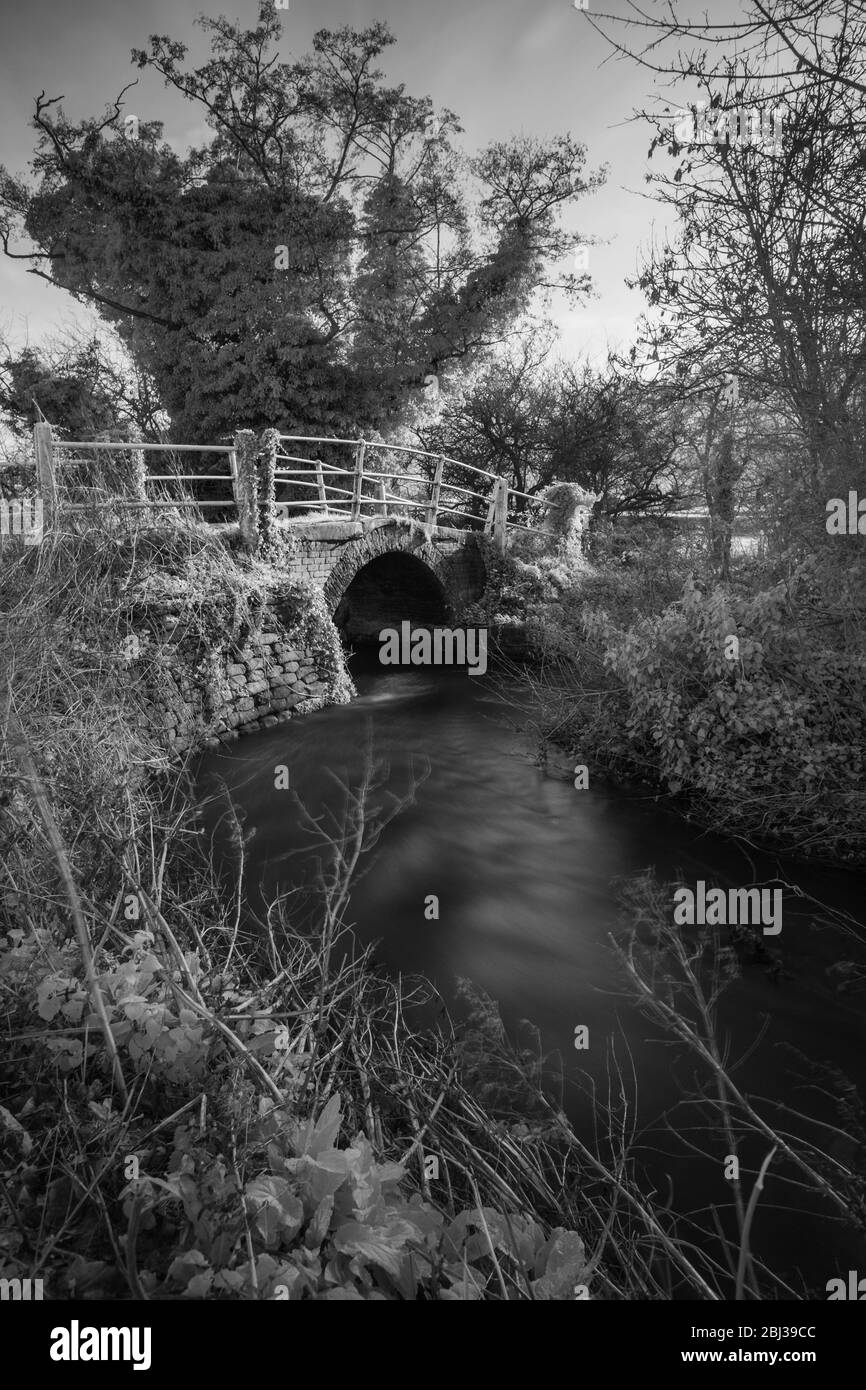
(524, 868)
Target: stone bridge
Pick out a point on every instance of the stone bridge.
(379, 548)
(381, 543)
(376, 571)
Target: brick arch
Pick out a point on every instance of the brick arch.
(458, 567)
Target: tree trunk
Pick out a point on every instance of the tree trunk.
(719, 480)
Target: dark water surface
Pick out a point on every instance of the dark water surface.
(523, 867)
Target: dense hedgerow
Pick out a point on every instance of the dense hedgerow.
(634, 672)
(772, 733)
(764, 735)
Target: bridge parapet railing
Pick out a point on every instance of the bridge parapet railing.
(384, 486)
(70, 483)
(388, 479)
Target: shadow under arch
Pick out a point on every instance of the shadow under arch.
(387, 590)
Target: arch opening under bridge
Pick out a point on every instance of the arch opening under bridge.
(387, 590)
(392, 571)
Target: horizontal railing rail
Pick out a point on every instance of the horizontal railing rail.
(143, 448)
(125, 505)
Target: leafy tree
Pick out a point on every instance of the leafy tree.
(316, 258)
(81, 384)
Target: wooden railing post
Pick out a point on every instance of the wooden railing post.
(266, 463)
(138, 475)
(491, 508)
(381, 500)
(500, 514)
(43, 446)
(358, 479)
(320, 479)
(233, 471)
(433, 509)
(246, 484)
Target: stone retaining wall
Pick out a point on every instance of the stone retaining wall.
(204, 699)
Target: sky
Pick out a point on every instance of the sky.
(535, 67)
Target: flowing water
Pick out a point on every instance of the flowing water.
(524, 868)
